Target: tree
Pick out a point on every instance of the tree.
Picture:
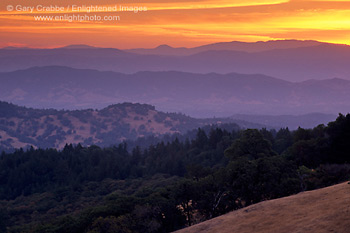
(262, 179)
(310, 153)
(201, 140)
(110, 224)
(213, 195)
(339, 137)
(251, 144)
(185, 192)
(301, 134)
(283, 140)
(3, 219)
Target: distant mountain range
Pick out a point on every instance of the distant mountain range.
(249, 47)
(291, 121)
(288, 60)
(198, 95)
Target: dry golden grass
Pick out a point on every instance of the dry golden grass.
(323, 210)
(82, 129)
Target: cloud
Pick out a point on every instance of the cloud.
(185, 23)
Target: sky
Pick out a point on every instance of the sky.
(178, 23)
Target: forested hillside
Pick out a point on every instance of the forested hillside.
(167, 186)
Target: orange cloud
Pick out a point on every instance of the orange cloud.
(178, 23)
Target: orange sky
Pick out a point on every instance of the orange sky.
(177, 23)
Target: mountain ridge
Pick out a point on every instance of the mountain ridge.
(292, 63)
(198, 95)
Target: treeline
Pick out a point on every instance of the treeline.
(39, 170)
(212, 174)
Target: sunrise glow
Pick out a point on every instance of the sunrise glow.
(177, 23)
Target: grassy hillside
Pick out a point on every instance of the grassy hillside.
(25, 127)
(322, 210)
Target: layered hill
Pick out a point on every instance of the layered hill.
(23, 127)
(288, 60)
(323, 210)
(197, 95)
(291, 121)
(46, 128)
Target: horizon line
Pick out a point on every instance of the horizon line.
(164, 44)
